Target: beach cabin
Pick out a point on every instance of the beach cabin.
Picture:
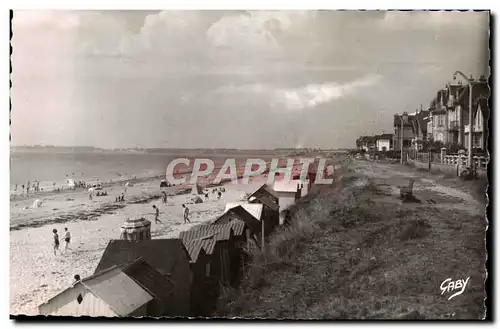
(254, 226)
(271, 220)
(288, 193)
(206, 265)
(109, 293)
(224, 266)
(270, 210)
(167, 256)
(157, 285)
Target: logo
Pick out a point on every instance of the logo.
(313, 169)
(449, 286)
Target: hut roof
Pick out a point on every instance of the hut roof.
(115, 288)
(284, 186)
(254, 209)
(218, 232)
(196, 246)
(265, 189)
(266, 196)
(161, 254)
(158, 285)
(241, 214)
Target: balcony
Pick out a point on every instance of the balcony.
(454, 126)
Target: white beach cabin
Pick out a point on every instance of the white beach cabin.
(287, 193)
(110, 293)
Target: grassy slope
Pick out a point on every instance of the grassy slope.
(347, 256)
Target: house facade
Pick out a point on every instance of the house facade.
(383, 142)
(414, 132)
(449, 114)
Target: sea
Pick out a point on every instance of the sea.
(57, 167)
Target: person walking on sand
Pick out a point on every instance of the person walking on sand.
(67, 239)
(186, 214)
(56, 241)
(157, 214)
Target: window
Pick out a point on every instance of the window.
(478, 121)
(477, 141)
(440, 137)
(440, 121)
(207, 269)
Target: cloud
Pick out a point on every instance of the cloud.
(31, 19)
(429, 20)
(313, 95)
(306, 97)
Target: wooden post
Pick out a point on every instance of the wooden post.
(429, 159)
(263, 236)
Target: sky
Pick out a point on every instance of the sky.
(231, 79)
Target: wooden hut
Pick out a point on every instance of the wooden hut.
(265, 195)
(167, 256)
(205, 256)
(109, 293)
(224, 243)
(157, 285)
(260, 212)
(270, 211)
(136, 230)
(254, 226)
(288, 193)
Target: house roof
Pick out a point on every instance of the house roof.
(254, 209)
(397, 121)
(479, 90)
(239, 213)
(161, 254)
(383, 136)
(483, 104)
(158, 285)
(120, 292)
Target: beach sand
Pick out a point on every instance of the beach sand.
(37, 275)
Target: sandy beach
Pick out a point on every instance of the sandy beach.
(36, 274)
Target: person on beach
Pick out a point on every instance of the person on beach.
(164, 198)
(206, 196)
(186, 214)
(67, 239)
(56, 241)
(157, 214)
(90, 195)
(219, 194)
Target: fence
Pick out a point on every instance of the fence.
(451, 163)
